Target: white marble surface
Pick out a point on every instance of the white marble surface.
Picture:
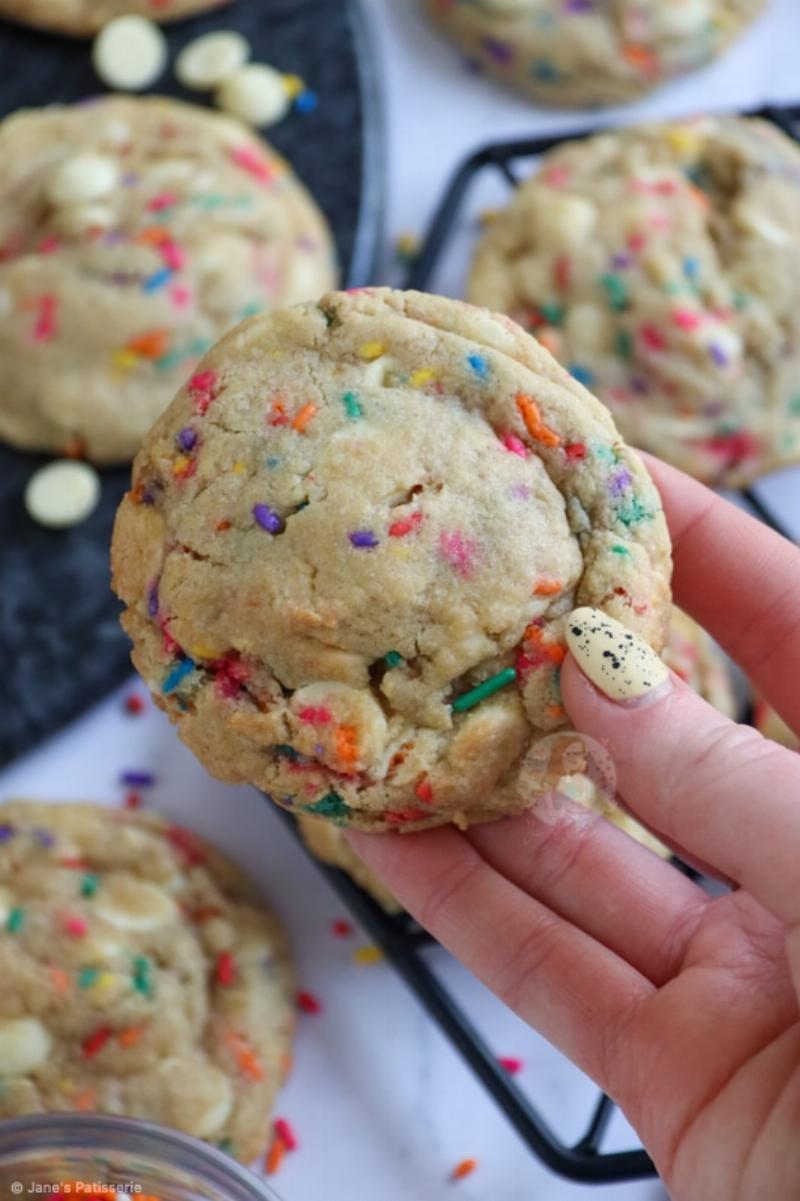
(382, 1106)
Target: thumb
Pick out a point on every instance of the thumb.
(717, 789)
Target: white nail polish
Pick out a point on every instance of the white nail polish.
(616, 660)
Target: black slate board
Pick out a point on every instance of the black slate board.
(61, 647)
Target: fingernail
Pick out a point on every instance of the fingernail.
(616, 660)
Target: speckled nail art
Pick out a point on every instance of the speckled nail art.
(616, 660)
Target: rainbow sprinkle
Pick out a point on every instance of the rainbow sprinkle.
(469, 700)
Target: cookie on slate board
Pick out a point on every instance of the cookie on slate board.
(140, 977)
(356, 597)
(661, 264)
(83, 17)
(134, 232)
(582, 53)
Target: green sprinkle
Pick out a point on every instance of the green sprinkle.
(251, 310)
(142, 975)
(351, 406)
(616, 290)
(170, 360)
(393, 659)
(552, 313)
(740, 300)
(625, 344)
(620, 550)
(89, 885)
(286, 752)
(15, 921)
(487, 688)
(88, 976)
(226, 1145)
(330, 805)
(794, 405)
(632, 512)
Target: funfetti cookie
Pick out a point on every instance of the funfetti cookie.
(133, 233)
(585, 53)
(354, 597)
(86, 16)
(661, 265)
(140, 977)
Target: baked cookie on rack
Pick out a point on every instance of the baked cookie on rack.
(141, 976)
(84, 17)
(355, 597)
(586, 53)
(661, 265)
(133, 233)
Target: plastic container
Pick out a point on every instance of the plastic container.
(68, 1155)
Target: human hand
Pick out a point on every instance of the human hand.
(682, 1007)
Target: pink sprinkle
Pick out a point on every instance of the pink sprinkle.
(460, 552)
(510, 1064)
(308, 1003)
(637, 242)
(48, 245)
(513, 444)
(341, 928)
(163, 201)
(180, 296)
(203, 389)
(45, 327)
(556, 176)
(252, 162)
(173, 255)
(75, 926)
(686, 319)
(286, 1134)
(652, 337)
(316, 716)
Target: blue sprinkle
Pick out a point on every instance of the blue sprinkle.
(307, 102)
(137, 779)
(158, 280)
(273, 461)
(180, 671)
(691, 268)
(582, 374)
(6, 832)
(479, 364)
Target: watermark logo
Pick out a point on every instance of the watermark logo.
(564, 769)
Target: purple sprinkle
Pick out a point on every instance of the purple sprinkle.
(621, 261)
(186, 438)
(148, 496)
(619, 482)
(718, 355)
(44, 838)
(6, 832)
(137, 779)
(152, 601)
(130, 179)
(521, 492)
(268, 519)
(579, 6)
(363, 539)
(501, 52)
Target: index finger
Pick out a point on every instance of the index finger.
(739, 579)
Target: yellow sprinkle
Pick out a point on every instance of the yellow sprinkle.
(372, 350)
(105, 983)
(684, 141)
(365, 956)
(239, 468)
(181, 464)
(422, 377)
(125, 359)
(203, 651)
(293, 85)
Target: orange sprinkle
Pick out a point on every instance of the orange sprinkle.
(60, 980)
(555, 710)
(153, 235)
(303, 417)
(248, 1062)
(463, 1169)
(347, 745)
(554, 651)
(547, 588)
(529, 411)
(130, 1036)
(275, 1155)
(75, 448)
(222, 525)
(85, 1101)
(641, 58)
(150, 345)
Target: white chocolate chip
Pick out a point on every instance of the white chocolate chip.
(24, 1046)
(256, 94)
(212, 1093)
(589, 327)
(681, 18)
(82, 178)
(62, 493)
(753, 221)
(564, 221)
(133, 905)
(129, 53)
(208, 61)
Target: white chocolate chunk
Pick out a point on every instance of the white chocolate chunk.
(208, 61)
(255, 93)
(62, 494)
(681, 18)
(82, 178)
(24, 1046)
(753, 221)
(564, 221)
(212, 1093)
(129, 53)
(133, 905)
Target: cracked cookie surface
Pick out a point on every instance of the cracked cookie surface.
(584, 53)
(133, 233)
(354, 597)
(661, 264)
(135, 959)
(82, 17)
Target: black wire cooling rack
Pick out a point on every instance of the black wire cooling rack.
(402, 941)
